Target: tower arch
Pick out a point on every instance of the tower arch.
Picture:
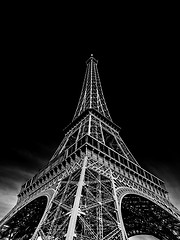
(141, 215)
(24, 222)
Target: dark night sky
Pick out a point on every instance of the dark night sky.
(42, 74)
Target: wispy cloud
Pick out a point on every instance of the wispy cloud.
(173, 188)
(11, 179)
(172, 180)
(7, 201)
(13, 175)
(33, 160)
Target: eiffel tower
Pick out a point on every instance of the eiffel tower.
(92, 188)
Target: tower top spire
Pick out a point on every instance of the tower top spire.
(91, 59)
(92, 95)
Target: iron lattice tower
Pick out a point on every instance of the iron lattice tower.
(92, 188)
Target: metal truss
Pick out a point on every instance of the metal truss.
(92, 94)
(97, 214)
(142, 216)
(23, 224)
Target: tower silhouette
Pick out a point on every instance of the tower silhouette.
(92, 188)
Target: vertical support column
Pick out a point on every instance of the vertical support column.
(91, 69)
(89, 127)
(120, 224)
(38, 232)
(100, 226)
(75, 210)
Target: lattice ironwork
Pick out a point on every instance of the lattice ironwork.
(100, 218)
(56, 223)
(92, 94)
(142, 216)
(23, 224)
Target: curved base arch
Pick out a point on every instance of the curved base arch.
(143, 216)
(23, 224)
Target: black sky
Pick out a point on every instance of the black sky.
(43, 66)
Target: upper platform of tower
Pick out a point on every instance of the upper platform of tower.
(92, 95)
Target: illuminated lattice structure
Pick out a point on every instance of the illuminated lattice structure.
(92, 188)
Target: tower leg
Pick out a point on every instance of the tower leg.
(75, 210)
(121, 226)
